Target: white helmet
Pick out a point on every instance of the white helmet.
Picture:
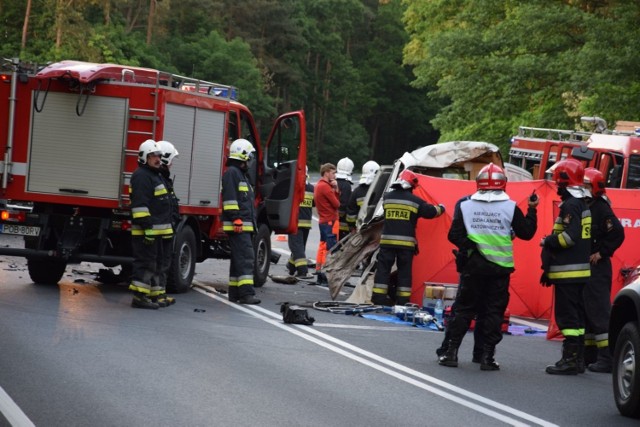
(168, 152)
(345, 167)
(241, 149)
(146, 148)
(369, 171)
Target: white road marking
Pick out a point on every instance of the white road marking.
(436, 386)
(12, 412)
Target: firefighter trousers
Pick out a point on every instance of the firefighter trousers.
(166, 259)
(403, 258)
(145, 274)
(597, 304)
(569, 311)
(297, 245)
(486, 297)
(241, 266)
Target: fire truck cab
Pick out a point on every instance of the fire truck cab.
(616, 153)
(71, 145)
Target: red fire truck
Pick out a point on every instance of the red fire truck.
(616, 153)
(72, 135)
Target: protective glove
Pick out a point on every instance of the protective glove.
(440, 208)
(237, 226)
(544, 280)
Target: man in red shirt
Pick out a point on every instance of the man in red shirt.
(327, 198)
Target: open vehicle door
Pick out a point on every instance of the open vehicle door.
(284, 176)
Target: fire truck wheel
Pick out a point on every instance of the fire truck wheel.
(183, 265)
(46, 271)
(262, 248)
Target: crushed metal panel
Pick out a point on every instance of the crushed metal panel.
(65, 146)
(178, 129)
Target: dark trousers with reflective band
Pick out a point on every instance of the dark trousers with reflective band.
(297, 246)
(166, 258)
(145, 274)
(403, 257)
(241, 266)
(597, 304)
(569, 311)
(485, 296)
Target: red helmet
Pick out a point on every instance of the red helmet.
(594, 177)
(491, 177)
(568, 173)
(407, 179)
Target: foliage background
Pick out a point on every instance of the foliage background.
(376, 78)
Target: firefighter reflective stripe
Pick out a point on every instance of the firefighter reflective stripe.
(137, 286)
(304, 223)
(602, 340)
(298, 262)
(246, 226)
(137, 230)
(230, 205)
(160, 190)
(395, 240)
(159, 230)
(140, 212)
(572, 332)
(380, 288)
(567, 271)
(243, 186)
(403, 292)
(240, 281)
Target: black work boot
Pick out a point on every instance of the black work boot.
(476, 356)
(590, 354)
(381, 299)
(142, 301)
(568, 365)
(487, 362)
(163, 300)
(604, 363)
(440, 351)
(450, 357)
(249, 299)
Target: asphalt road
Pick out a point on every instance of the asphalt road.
(77, 354)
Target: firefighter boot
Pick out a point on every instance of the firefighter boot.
(450, 357)
(590, 354)
(249, 299)
(604, 363)
(142, 301)
(568, 365)
(476, 356)
(163, 300)
(440, 351)
(487, 362)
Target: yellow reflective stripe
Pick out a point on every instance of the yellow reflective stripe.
(139, 287)
(160, 190)
(245, 280)
(137, 232)
(230, 205)
(304, 223)
(569, 274)
(401, 207)
(243, 187)
(397, 243)
(572, 332)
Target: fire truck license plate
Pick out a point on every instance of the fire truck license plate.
(21, 230)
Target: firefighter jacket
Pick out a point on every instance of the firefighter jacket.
(401, 212)
(484, 230)
(345, 194)
(566, 251)
(607, 234)
(355, 201)
(175, 202)
(150, 204)
(237, 199)
(306, 206)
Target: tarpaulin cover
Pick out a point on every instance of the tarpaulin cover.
(435, 262)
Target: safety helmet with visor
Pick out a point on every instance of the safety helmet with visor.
(369, 170)
(344, 168)
(491, 177)
(568, 173)
(169, 152)
(242, 150)
(595, 178)
(407, 180)
(146, 148)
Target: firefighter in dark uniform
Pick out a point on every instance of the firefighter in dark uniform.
(297, 264)
(151, 226)
(369, 171)
(607, 234)
(565, 263)
(482, 229)
(343, 178)
(398, 240)
(169, 153)
(238, 221)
